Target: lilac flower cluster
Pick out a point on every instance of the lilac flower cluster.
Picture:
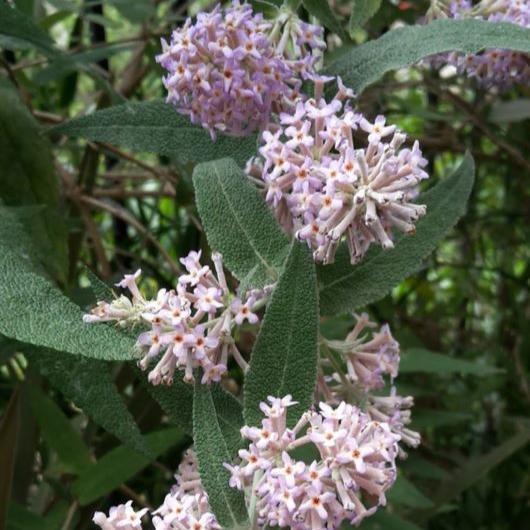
(185, 507)
(324, 186)
(494, 67)
(356, 466)
(368, 359)
(365, 359)
(122, 517)
(191, 325)
(226, 72)
(300, 43)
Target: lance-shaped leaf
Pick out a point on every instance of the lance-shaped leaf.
(34, 311)
(344, 287)
(212, 450)
(238, 223)
(88, 383)
(475, 468)
(29, 179)
(155, 126)
(120, 465)
(405, 46)
(425, 361)
(389, 521)
(406, 493)
(284, 358)
(63, 66)
(59, 432)
(176, 401)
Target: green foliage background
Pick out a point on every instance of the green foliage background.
(83, 198)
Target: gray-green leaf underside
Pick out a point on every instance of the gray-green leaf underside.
(402, 47)
(284, 358)
(238, 223)
(155, 126)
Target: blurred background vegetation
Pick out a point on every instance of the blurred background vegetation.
(462, 320)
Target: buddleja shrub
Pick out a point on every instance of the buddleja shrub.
(325, 217)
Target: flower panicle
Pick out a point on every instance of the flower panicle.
(121, 517)
(359, 365)
(348, 481)
(331, 175)
(190, 326)
(230, 69)
(185, 507)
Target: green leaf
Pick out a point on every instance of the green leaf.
(120, 465)
(34, 311)
(362, 12)
(344, 288)
(426, 418)
(9, 427)
(238, 223)
(326, 16)
(88, 383)
(157, 127)
(28, 178)
(404, 492)
(176, 401)
(212, 451)
(16, 24)
(230, 417)
(405, 46)
(59, 433)
(421, 467)
(99, 288)
(419, 360)
(65, 65)
(510, 111)
(19, 518)
(284, 358)
(477, 467)
(384, 520)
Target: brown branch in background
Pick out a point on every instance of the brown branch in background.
(121, 193)
(157, 172)
(47, 117)
(477, 121)
(133, 73)
(91, 227)
(10, 72)
(121, 213)
(125, 175)
(97, 243)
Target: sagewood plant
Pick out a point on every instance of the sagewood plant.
(325, 219)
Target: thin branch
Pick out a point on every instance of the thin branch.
(123, 214)
(120, 193)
